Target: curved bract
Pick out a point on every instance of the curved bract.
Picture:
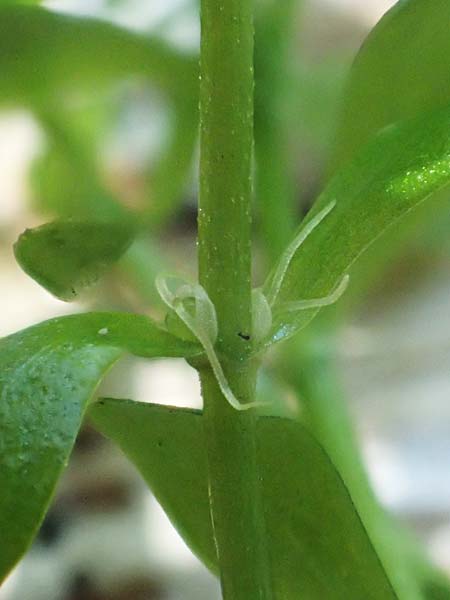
(48, 375)
(201, 321)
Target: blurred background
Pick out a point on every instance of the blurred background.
(130, 143)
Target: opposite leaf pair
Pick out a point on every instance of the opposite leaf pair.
(50, 371)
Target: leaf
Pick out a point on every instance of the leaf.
(58, 188)
(318, 545)
(44, 54)
(48, 374)
(402, 70)
(402, 166)
(66, 257)
(169, 177)
(9, 2)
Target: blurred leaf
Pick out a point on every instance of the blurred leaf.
(65, 257)
(60, 191)
(48, 374)
(20, 2)
(402, 166)
(313, 528)
(44, 54)
(169, 178)
(307, 363)
(275, 23)
(65, 178)
(402, 70)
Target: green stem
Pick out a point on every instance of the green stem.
(236, 504)
(226, 147)
(226, 138)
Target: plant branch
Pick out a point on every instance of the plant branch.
(226, 148)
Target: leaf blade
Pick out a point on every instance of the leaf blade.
(404, 164)
(48, 374)
(401, 71)
(310, 532)
(65, 257)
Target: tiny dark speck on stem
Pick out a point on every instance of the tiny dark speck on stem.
(244, 336)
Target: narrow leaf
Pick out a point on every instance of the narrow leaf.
(314, 531)
(48, 374)
(402, 70)
(66, 257)
(402, 166)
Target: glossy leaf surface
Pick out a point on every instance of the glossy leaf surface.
(402, 166)
(48, 374)
(402, 70)
(318, 545)
(67, 256)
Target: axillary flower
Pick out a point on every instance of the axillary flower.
(191, 303)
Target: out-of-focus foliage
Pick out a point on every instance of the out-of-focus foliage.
(45, 55)
(401, 71)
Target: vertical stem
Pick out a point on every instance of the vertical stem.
(226, 138)
(236, 504)
(226, 147)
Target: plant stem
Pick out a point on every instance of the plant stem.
(226, 147)
(226, 138)
(236, 506)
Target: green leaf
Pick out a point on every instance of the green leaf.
(402, 70)
(48, 374)
(169, 177)
(318, 545)
(20, 2)
(58, 189)
(44, 54)
(65, 257)
(402, 166)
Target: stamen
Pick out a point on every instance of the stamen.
(204, 326)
